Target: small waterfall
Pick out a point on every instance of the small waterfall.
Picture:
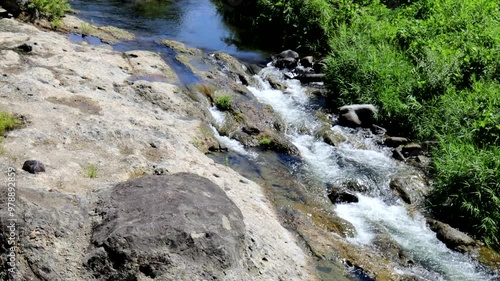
(372, 167)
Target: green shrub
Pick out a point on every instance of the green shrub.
(52, 10)
(467, 188)
(223, 103)
(91, 171)
(7, 123)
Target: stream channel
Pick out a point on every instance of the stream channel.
(293, 182)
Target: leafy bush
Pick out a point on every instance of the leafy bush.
(52, 10)
(275, 24)
(223, 103)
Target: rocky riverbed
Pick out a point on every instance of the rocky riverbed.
(129, 193)
(94, 128)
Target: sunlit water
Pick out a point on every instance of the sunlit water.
(193, 22)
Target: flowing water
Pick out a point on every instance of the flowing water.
(359, 158)
(372, 167)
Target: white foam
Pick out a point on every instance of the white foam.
(218, 115)
(233, 145)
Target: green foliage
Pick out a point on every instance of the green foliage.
(223, 103)
(467, 187)
(432, 67)
(291, 23)
(52, 10)
(7, 123)
(265, 141)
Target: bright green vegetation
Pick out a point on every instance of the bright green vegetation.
(52, 10)
(432, 67)
(7, 123)
(91, 171)
(223, 103)
(265, 141)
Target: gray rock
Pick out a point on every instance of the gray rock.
(319, 67)
(306, 61)
(171, 227)
(15, 7)
(288, 63)
(310, 77)
(451, 237)
(342, 196)
(395, 141)
(287, 54)
(47, 222)
(410, 185)
(412, 149)
(357, 115)
(33, 166)
(396, 154)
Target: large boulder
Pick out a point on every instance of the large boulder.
(357, 115)
(169, 227)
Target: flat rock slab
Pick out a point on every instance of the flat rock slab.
(171, 227)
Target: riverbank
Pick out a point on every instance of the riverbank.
(93, 126)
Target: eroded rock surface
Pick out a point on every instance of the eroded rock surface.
(154, 222)
(94, 127)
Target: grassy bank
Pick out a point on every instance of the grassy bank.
(433, 69)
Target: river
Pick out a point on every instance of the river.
(196, 23)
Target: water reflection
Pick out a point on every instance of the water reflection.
(194, 22)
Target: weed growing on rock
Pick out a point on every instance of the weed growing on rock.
(223, 103)
(91, 171)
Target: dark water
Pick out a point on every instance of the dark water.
(193, 22)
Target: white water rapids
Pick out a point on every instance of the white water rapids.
(370, 166)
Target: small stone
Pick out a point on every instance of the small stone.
(33, 166)
(395, 141)
(342, 196)
(412, 149)
(25, 48)
(306, 61)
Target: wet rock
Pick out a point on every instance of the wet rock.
(330, 136)
(319, 67)
(178, 226)
(378, 130)
(395, 141)
(391, 249)
(287, 54)
(286, 59)
(342, 196)
(410, 185)
(33, 166)
(288, 63)
(412, 149)
(306, 61)
(451, 237)
(396, 154)
(251, 130)
(357, 115)
(310, 77)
